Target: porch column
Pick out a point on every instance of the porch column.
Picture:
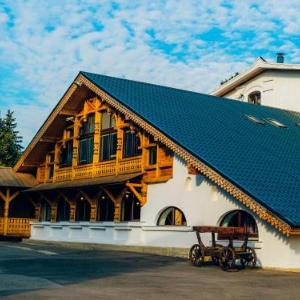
(7, 198)
(117, 216)
(72, 211)
(93, 217)
(53, 211)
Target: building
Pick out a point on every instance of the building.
(267, 83)
(131, 163)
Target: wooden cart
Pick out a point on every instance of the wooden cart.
(225, 256)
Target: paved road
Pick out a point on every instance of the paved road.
(58, 272)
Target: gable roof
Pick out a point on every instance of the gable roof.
(258, 67)
(214, 135)
(9, 178)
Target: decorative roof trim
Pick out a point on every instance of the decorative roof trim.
(215, 177)
(47, 123)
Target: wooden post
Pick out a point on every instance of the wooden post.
(119, 124)
(97, 141)
(7, 198)
(72, 211)
(53, 211)
(75, 145)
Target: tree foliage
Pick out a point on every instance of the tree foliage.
(10, 140)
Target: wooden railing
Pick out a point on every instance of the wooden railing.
(108, 168)
(15, 227)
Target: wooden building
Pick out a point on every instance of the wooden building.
(125, 162)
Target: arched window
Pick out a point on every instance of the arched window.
(172, 216)
(108, 148)
(131, 144)
(45, 214)
(86, 140)
(131, 208)
(63, 211)
(255, 97)
(240, 218)
(105, 209)
(83, 210)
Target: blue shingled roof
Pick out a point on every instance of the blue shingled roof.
(263, 160)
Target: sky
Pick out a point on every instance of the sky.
(181, 43)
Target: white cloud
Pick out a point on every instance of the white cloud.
(49, 42)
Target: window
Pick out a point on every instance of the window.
(255, 97)
(276, 123)
(50, 165)
(45, 214)
(152, 156)
(172, 216)
(66, 154)
(63, 211)
(240, 218)
(255, 120)
(105, 209)
(131, 208)
(108, 143)
(83, 210)
(131, 145)
(86, 140)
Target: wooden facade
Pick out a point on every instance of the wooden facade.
(99, 154)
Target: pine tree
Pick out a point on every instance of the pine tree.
(10, 140)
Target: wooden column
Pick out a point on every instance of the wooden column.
(117, 215)
(72, 211)
(75, 143)
(54, 211)
(119, 154)
(7, 198)
(97, 141)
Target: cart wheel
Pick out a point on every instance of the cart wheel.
(250, 259)
(227, 259)
(216, 259)
(195, 255)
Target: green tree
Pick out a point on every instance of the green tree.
(10, 140)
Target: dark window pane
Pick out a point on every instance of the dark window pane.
(66, 154)
(131, 144)
(63, 211)
(131, 208)
(108, 146)
(86, 150)
(88, 127)
(106, 210)
(83, 210)
(152, 156)
(50, 171)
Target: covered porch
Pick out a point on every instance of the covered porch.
(16, 210)
(107, 199)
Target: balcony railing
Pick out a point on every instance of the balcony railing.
(107, 168)
(19, 227)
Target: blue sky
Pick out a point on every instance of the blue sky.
(183, 43)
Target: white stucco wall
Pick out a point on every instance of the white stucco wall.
(278, 89)
(201, 202)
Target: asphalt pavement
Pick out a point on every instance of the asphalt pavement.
(43, 271)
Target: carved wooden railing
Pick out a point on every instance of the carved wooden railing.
(16, 227)
(108, 168)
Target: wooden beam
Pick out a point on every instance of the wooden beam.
(67, 112)
(49, 140)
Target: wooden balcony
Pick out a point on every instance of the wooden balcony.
(17, 227)
(107, 168)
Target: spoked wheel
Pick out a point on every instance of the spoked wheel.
(227, 259)
(216, 259)
(195, 256)
(250, 259)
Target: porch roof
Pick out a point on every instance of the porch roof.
(83, 183)
(10, 178)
